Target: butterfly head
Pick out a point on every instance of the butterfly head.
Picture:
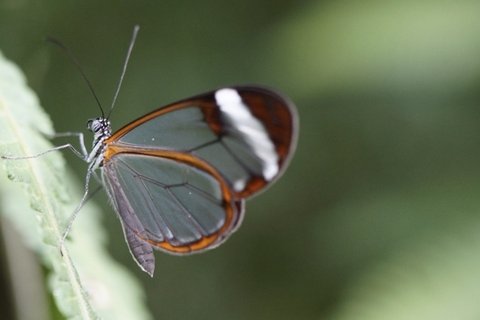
(100, 127)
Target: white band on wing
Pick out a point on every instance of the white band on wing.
(252, 131)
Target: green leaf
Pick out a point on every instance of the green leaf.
(85, 282)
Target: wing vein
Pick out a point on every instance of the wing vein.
(235, 157)
(187, 212)
(167, 234)
(147, 196)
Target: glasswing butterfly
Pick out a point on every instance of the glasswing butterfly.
(179, 176)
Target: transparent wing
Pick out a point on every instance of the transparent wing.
(246, 133)
(169, 204)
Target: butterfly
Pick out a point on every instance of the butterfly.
(178, 177)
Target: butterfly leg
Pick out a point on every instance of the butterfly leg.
(61, 147)
(82, 154)
(79, 136)
(97, 178)
(72, 217)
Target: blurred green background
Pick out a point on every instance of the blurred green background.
(378, 216)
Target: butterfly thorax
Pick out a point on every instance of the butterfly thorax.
(102, 130)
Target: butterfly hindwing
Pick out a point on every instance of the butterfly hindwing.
(169, 204)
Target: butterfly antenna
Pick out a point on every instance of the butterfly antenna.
(129, 53)
(79, 67)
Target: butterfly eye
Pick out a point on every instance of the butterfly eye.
(89, 124)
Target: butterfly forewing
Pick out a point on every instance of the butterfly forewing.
(246, 133)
